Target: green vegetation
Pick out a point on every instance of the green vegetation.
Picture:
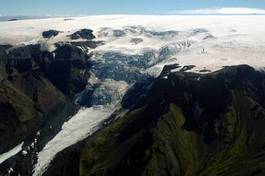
(105, 144)
(177, 147)
(21, 104)
(228, 138)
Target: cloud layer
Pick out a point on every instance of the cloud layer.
(223, 11)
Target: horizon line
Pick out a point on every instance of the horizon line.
(202, 11)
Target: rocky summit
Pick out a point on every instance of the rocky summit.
(50, 33)
(83, 34)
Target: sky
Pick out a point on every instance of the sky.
(98, 7)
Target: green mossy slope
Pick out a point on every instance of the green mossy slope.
(212, 126)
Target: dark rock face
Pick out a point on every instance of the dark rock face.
(13, 19)
(167, 69)
(66, 67)
(24, 102)
(88, 44)
(25, 105)
(5, 46)
(186, 124)
(35, 85)
(186, 68)
(3, 53)
(69, 72)
(50, 33)
(83, 34)
(68, 19)
(20, 59)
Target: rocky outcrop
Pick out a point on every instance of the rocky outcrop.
(186, 124)
(83, 34)
(50, 33)
(69, 69)
(88, 44)
(136, 41)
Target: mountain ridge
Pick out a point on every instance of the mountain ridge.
(179, 139)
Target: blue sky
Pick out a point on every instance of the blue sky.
(95, 7)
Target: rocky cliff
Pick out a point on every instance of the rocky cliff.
(36, 84)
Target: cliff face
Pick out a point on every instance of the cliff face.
(35, 85)
(186, 124)
(23, 111)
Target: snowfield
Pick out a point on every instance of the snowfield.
(226, 40)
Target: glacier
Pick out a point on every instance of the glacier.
(12, 152)
(136, 47)
(81, 125)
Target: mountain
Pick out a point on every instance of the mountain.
(38, 89)
(186, 124)
(132, 95)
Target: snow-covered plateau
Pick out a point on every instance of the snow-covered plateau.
(208, 42)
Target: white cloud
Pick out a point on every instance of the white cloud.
(223, 11)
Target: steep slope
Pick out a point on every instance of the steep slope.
(21, 114)
(186, 124)
(37, 92)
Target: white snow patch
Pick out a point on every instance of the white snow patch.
(80, 126)
(24, 152)
(12, 152)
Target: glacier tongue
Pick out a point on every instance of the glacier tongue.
(81, 125)
(12, 152)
